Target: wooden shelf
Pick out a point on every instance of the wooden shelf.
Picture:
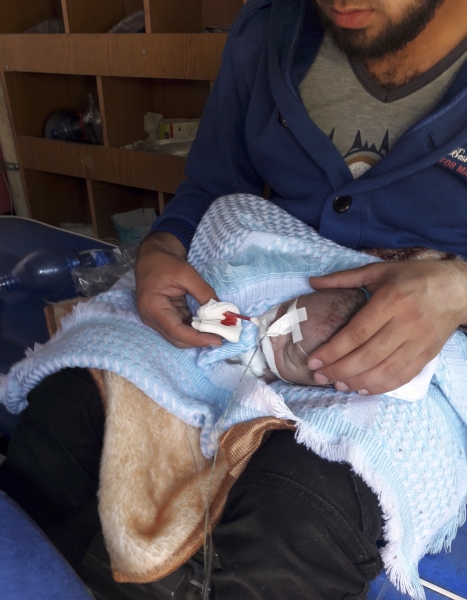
(167, 70)
(174, 56)
(145, 170)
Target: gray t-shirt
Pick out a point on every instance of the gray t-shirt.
(363, 119)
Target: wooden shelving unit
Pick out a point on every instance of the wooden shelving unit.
(169, 70)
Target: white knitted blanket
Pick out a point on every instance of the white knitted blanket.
(413, 455)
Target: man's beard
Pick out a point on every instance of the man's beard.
(394, 36)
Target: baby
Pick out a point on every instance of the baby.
(291, 331)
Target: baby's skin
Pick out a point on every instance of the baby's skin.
(328, 311)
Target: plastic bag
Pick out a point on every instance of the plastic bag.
(173, 147)
(93, 280)
(166, 136)
(48, 26)
(134, 225)
(80, 228)
(134, 23)
(216, 29)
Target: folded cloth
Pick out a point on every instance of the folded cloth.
(256, 255)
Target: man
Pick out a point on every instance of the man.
(292, 109)
(387, 95)
(388, 343)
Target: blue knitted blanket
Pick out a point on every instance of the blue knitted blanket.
(255, 255)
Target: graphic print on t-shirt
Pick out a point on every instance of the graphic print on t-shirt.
(366, 120)
(362, 156)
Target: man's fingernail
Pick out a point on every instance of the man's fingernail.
(341, 386)
(364, 392)
(315, 364)
(321, 379)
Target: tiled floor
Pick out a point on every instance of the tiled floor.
(444, 575)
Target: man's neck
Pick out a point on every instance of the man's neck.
(447, 29)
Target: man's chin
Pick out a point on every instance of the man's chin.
(391, 37)
(355, 42)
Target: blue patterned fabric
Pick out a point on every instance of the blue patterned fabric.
(413, 455)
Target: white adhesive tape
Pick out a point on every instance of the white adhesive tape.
(296, 316)
(289, 323)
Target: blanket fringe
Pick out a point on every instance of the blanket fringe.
(446, 535)
(406, 582)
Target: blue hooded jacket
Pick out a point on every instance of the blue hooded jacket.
(255, 131)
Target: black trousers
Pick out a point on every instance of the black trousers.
(295, 526)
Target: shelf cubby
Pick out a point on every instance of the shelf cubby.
(57, 198)
(83, 16)
(125, 100)
(108, 199)
(189, 16)
(17, 17)
(34, 97)
(173, 16)
(219, 12)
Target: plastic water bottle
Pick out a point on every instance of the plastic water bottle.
(49, 269)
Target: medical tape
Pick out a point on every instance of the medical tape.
(296, 316)
(289, 323)
(266, 321)
(265, 342)
(268, 352)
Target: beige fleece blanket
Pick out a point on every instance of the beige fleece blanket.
(155, 484)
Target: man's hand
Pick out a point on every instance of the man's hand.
(415, 307)
(163, 277)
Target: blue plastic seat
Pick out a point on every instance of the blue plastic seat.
(444, 571)
(31, 568)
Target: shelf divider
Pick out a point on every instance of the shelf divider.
(102, 108)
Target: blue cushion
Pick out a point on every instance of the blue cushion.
(31, 568)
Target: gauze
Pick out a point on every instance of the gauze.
(209, 320)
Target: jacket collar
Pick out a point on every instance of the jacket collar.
(295, 35)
